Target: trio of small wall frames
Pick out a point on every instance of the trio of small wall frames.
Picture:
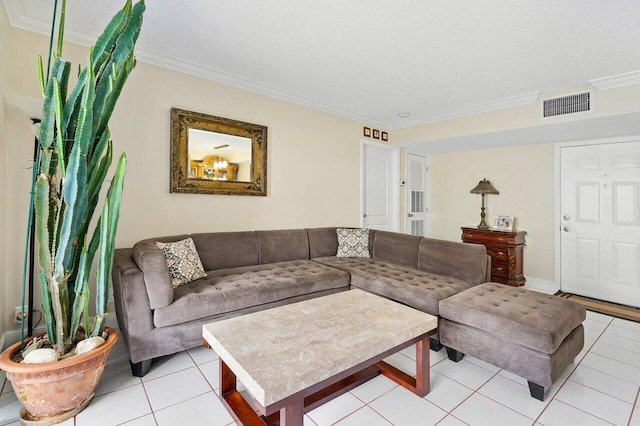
(375, 134)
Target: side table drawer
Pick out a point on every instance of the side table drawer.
(499, 270)
(498, 254)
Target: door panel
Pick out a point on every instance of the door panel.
(600, 223)
(378, 196)
(416, 220)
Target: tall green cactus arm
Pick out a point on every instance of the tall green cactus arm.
(110, 83)
(46, 307)
(80, 296)
(107, 40)
(41, 75)
(60, 133)
(96, 154)
(59, 72)
(108, 228)
(61, 28)
(41, 205)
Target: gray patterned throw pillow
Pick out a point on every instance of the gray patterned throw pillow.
(353, 243)
(182, 261)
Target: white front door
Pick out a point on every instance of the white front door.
(379, 182)
(600, 223)
(416, 206)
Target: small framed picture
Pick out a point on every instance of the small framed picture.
(385, 136)
(376, 134)
(367, 132)
(504, 223)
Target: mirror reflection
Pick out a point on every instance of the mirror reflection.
(216, 156)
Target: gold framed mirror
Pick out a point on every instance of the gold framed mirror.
(215, 155)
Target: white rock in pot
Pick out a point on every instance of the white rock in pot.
(87, 345)
(40, 356)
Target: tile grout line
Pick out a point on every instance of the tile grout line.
(153, 413)
(633, 407)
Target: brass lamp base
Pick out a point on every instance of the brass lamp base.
(483, 224)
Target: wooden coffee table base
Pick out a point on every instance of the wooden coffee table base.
(290, 411)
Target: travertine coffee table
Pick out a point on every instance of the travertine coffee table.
(296, 357)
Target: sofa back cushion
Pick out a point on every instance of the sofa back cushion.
(282, 245)
(464, 261)
(220, 250)
(396, 248)
(322, 242)
(153, 265)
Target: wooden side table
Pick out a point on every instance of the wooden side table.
(505, 249)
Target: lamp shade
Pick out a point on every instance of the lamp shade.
(484, 187)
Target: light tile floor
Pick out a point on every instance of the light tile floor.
(600, 388)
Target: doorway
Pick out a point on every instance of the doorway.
(599, 223)
(379, 189)
(416, 195)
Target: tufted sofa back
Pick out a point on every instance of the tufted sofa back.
(220, 250)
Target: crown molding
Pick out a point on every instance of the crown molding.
(249, 85)
(515, 101)
(614, 81)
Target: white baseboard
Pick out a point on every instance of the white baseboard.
(540, 285)
(10, 337)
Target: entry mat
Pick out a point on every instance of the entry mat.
(608, 308)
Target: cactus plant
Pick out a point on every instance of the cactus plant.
(75, 156)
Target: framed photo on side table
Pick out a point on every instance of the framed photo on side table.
(504, 223)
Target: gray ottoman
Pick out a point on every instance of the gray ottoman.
(533, 335)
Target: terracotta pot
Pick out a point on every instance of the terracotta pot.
(55, 388)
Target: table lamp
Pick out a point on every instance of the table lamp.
(483, 187)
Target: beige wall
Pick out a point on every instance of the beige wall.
(313, 158)
(524, 175)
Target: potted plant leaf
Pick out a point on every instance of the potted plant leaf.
(74, 160)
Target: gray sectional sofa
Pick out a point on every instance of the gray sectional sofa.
(532, 335)
(256, 270)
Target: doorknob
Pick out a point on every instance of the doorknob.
(565, 229)
(364, 215)
(565, 217)
(410, 215)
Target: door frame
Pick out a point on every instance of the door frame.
(557, 190)
(394, 183)
(407, 194)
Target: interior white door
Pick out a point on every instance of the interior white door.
(378, 196)
(416, 197)
(600, 223)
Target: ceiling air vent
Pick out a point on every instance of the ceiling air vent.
(570, 104)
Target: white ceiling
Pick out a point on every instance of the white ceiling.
(371, 60)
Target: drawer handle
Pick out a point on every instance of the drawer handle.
(497, 269)
(500, 253)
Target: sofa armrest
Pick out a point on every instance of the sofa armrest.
(464, 261)
(152, 263)
(133, 311)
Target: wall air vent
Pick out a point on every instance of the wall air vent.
(570, 104)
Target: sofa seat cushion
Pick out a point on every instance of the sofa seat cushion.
(535, 320)
(228, 290)
(413, 287)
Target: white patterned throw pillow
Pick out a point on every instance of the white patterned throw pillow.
(353, 242)
(182, 261)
